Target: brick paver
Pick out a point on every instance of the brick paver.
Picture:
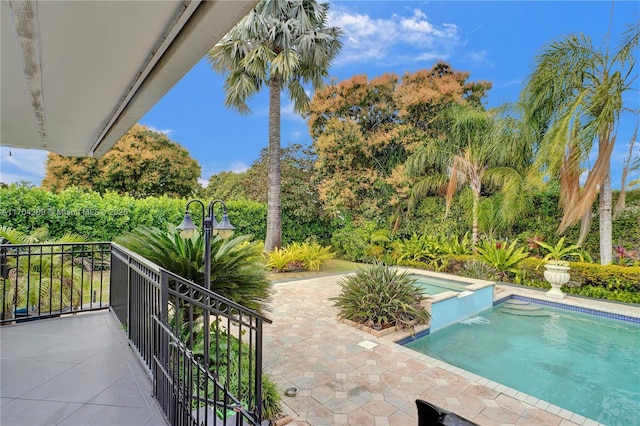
(342, 380)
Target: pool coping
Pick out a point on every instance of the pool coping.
(504, 292)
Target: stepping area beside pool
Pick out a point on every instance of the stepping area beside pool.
(346, 376)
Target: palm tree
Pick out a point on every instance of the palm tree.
(479, 148)
(282, 43)
(573, 100)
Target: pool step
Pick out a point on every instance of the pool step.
(516, 302)
(522, 308)
(525, 312)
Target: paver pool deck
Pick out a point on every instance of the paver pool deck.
(346, 376)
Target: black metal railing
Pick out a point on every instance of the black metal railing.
(48, 280)
(204, 352)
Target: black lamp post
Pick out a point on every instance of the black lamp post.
(224, 229)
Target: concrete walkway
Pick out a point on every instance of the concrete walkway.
(346, 376)
(75, 370)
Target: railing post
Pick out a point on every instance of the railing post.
(164, 296)
(258, 369)
(4, 271)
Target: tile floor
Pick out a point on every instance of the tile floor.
(75, 370)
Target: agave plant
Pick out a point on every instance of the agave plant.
(380, 295)
(237, 269)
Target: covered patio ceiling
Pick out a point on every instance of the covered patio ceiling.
(76, 75)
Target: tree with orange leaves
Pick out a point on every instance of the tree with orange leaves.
(364, 130)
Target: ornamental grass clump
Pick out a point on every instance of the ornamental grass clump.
(379, 296)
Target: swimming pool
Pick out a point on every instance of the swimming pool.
(583, 363)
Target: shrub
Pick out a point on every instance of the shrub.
(611, 277)
(221, 342)
(312, 255)
(237, 269)
(501, 256)
(105, 217)
(280, 260)
(380, 295)
(352, 243)
(307, 255)
(478, 269)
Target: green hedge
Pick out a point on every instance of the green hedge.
(613, 282)
(612, 277)
(104, 217)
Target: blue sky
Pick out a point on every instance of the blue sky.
(495, 41)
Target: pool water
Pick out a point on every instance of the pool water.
(433, 286)
(584, 363)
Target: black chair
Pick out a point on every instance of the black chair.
(430, 415)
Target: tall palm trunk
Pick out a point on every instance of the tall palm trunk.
(274, 214)
(606, 244)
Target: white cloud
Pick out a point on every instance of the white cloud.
(237, 167)
(166, 132)
(203, 182)
(368, 38)
(516, 82)
(479, 57)
(288, 113)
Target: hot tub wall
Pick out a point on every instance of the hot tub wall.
(465, 305)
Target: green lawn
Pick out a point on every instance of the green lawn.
(330, 267)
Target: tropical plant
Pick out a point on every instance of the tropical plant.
(476, 268)
(283, 44)
(456, 245)
(313, 255)
(307, 255)
(39, 278)
(502, 256)
(560, 252)
(241, 359)
(14, 236)
(479, 148)
(379, 242)
(572, 100)
(280, 259)
(237, 268)
(381, 295)
(418, 248)
(625, 257)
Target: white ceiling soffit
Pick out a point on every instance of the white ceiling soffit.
(76, 75)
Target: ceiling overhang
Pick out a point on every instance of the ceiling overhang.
(77, 75)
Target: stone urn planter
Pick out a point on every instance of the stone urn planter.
(557, 274)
